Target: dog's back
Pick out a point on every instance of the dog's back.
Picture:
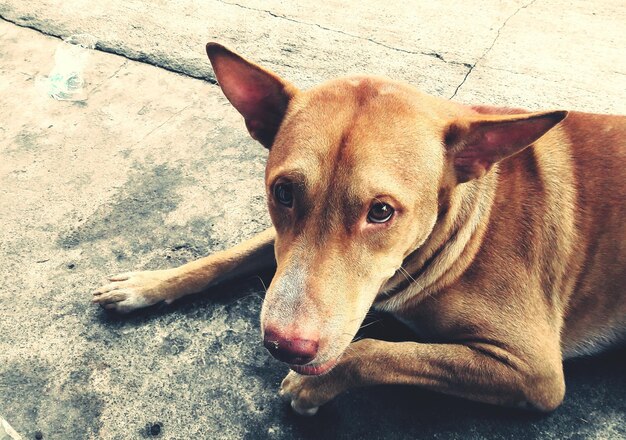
(596, 310)
(558, 216)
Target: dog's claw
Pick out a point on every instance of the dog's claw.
(308, 412)
(301, 392)
(105, 289)
(288, 397)
(120, 277)
(284, 395)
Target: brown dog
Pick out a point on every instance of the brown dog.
(498, 235)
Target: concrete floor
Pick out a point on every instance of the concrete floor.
(155, 169)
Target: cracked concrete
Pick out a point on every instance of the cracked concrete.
(471, 67)
(155, 169)
(370, 40)
(556, 46)
(155, 38)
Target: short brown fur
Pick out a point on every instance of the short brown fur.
(506, 250)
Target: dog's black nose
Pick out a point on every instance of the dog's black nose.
(292, 350)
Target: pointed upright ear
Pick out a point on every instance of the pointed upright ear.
(258, 94)
(474, 144)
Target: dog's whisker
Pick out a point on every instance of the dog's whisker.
(255, 293)
(262, 283)
(369, 323)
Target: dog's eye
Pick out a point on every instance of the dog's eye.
(283, 192)
(380, 213)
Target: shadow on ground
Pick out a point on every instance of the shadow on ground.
(594, 406)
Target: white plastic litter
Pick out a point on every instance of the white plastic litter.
(66, 81)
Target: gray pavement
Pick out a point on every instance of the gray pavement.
(155, 169)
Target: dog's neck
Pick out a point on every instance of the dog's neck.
(449, 249)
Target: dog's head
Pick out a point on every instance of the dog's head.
(354, 176)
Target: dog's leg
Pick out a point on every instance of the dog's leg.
(133, 290)
(480, 372)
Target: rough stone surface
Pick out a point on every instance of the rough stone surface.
(553, 54)
(156, 169)
(565, 54)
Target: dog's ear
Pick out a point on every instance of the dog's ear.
(258, 94)
(474, 144)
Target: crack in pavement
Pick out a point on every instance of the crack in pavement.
(471, 67)
(148, 59)
(27, 26)
(172, 116)
(338, 31)
(95, 89)
(102, 46)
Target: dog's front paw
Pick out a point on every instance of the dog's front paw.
(299, 390)
(134, 290)
(308, 393)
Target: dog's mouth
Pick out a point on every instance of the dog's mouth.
(314, 369)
